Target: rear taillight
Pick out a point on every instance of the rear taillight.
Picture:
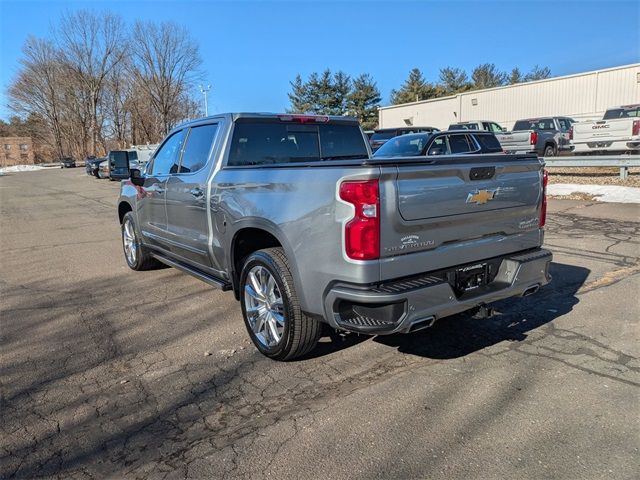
(635, 130)
(571, 133)
(533, 138)
(362, 232)
(543, 207)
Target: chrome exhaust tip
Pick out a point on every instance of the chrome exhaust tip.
(422, 324)
(531, 290)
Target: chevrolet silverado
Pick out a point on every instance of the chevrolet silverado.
(292, 214)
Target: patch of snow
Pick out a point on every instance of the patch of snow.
(21, 168)
(601, 193)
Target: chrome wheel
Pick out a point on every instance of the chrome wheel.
(263, 306)
(129, 241)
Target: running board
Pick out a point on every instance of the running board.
(205, 277)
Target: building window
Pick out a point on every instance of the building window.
(24, 147)
(7, 146)
(24, 156)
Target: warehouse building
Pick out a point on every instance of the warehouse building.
(582, 96)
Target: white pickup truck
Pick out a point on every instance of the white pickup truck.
(617, 132)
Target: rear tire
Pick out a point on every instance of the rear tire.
(137, 256)
(271, 309)
(549, 151)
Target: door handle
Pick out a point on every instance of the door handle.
(196, 192)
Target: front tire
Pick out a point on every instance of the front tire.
(271, 308)
(136, 255)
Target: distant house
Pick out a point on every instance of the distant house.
(16, 151)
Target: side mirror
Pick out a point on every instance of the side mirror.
(136, 177)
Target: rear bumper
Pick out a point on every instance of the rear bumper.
(607, 145)
(405, 305)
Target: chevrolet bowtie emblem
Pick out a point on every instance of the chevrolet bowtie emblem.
(480, 197)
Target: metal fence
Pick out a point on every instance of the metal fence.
(620, 161)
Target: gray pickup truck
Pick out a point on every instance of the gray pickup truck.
(548, 136)
(293, 215)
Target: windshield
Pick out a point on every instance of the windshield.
(538, 124)
(629, 112)
(411, 145)
(263, 143)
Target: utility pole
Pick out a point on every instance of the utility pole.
(204, 92)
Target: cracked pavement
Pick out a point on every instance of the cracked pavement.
(105, 371)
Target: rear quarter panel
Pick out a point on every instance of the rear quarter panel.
(301, 208)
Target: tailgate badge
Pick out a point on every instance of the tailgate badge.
(480, 197)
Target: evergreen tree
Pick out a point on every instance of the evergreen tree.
(299, 96)
(453, 80)
(363, 101)
(324, 93)
(487, 75)
(414, 89)
(515, 76)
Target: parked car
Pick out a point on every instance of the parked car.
(486, 125)
(440, 143)
(103, 169)
(121, 161)
(91, 165)
(381, 135)
(617, 132)
(292, 214)
(548, 136)
(67, 162)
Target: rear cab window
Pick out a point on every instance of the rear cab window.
(622, 112)
(384, 135)
(257, 142)
(537, 124)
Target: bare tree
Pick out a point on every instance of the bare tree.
(92, 46)
(35, 89)
(165, 64)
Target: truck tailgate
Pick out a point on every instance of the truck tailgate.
(516, 141)
(602, 130)
(457, 210)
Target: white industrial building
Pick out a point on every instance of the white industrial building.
(581, 96)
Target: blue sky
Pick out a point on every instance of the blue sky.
(251, 50)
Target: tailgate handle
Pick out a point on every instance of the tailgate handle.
(482, 173)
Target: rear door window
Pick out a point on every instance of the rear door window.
(198, 145)
(266, 143)
(489, 143)
(461, 144)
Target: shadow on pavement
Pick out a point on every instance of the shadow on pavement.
(462, 334)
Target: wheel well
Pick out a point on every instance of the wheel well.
(245, 242)
(123, 208)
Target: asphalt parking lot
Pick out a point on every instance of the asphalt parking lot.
(112, 373)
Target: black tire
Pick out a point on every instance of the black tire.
(549, 151)
(142, 260)
(301, 332)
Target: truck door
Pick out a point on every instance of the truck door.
(152, 214)
(187, 196)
